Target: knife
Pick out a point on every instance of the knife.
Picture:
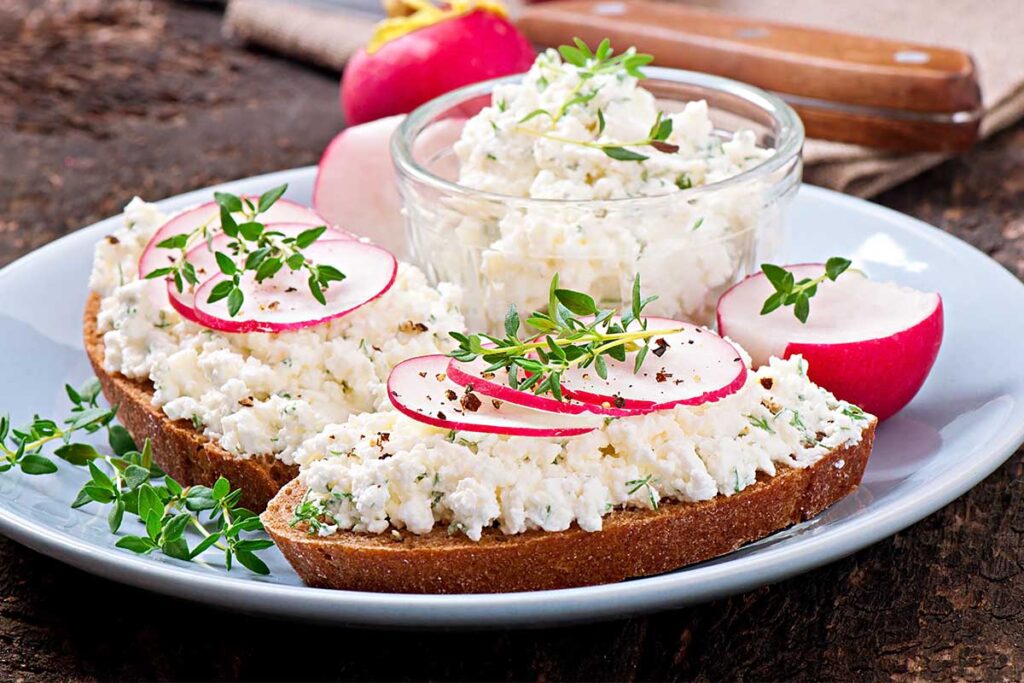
(880, 93)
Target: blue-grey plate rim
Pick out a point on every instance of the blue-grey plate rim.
(695, 584)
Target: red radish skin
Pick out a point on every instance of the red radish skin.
(428, 62)
(471, 375)
(697, 367)
(356, 184)
(900, 363)
(182, 303)
(879, 369)
(284, 303)
(420, 388)
(283, 211)
(203, 260)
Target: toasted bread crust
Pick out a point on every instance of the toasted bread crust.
(632, 543)
(178, 448)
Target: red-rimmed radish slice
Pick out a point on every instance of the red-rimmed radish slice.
(690, 367)
(419, 387)
(495, 385)
(204, 262)
(870, 343)
(284, 302)
(356, 184)
(283, 211)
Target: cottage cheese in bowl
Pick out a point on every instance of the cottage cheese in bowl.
(555, 173)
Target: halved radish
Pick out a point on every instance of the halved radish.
(283, 211)
(356, 184)
(870, 343)
(419, 387)
(284, 301)
(689, 367)
(495, 385)
(204, 262)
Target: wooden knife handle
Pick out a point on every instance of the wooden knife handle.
(850, 88)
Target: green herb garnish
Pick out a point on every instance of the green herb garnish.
(601, 62)
(760, 423)
(573, 332)
(129, 482)
(854, 412)
(789, 292)
(313, 513)
(636, 484)
(252, 248)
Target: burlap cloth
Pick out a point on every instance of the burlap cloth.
(992, 31)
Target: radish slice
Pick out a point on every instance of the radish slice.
(870, 343)
(356, 184)
(495, 385)
(203, 260)
(283, 211)
(691, 367)
(284, 302)
(419, 387)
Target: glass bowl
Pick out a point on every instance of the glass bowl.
(688, 246)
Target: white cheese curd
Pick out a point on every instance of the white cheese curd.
(260, 393)
(687, 251)
(382, 470)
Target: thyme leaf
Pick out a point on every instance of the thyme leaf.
(790, 292)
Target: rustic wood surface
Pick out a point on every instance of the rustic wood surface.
(104, 99)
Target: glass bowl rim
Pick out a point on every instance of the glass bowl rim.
(788, 146)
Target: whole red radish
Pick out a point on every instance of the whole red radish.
(415, 58)
(870, 343)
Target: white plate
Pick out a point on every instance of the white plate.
(967, 420)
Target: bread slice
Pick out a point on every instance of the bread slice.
(632, 543)
(178, 448)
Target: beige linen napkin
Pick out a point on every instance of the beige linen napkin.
(991, 31)
(315, 32)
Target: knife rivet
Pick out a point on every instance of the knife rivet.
(610, 8)
(912, 57)
(751, 32)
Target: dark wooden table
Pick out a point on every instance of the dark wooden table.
(97, 105)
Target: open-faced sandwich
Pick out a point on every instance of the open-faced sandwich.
(219, 401)
(588, 434)
(471, 485)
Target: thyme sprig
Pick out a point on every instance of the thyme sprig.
(22, 447)
(656, 138)
(798, 294)
(127, 480)
(253, 248)
(590, 64)
(572, 332)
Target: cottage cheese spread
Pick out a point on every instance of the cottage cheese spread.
(260, 393)
(686, 250)
(382, 470)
